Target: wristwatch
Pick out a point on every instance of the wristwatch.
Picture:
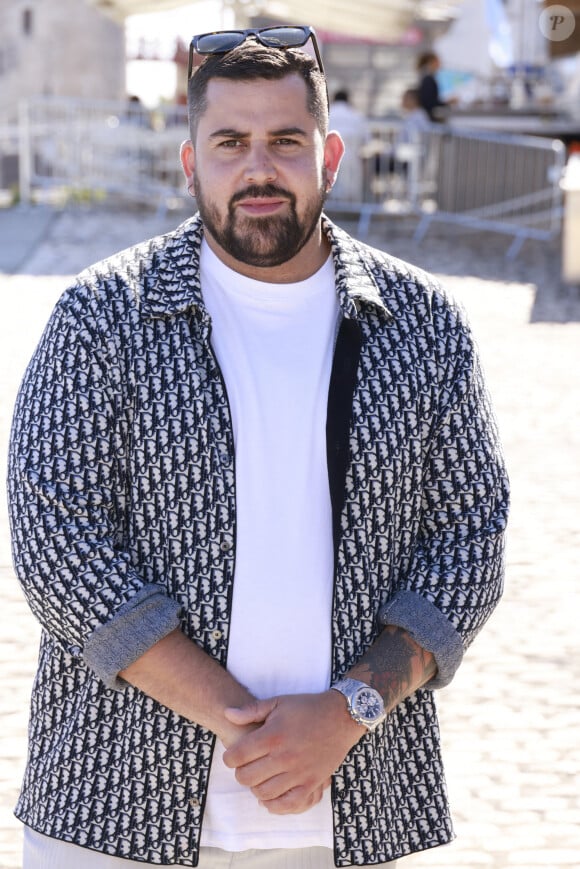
(365, 704)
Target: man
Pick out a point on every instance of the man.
(258, 507)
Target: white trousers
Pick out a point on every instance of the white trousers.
(41, 852)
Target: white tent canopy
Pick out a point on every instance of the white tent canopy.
(385, 20)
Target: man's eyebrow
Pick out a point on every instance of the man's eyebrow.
(232, 133)
(289, 131)
(227, 133)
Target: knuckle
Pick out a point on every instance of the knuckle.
(293, 800)
(263, 792)
(243, 776)
(229, 759)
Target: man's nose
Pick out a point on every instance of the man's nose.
(260, 166)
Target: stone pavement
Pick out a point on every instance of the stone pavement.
(511, 719)
(22, 229)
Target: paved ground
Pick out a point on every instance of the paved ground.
(511, 719)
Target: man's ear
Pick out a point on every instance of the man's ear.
(187, 157)
(333, 152)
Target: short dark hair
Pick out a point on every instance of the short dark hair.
(251, 61)
(413, 95)
(426, 58)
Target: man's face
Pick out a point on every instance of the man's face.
(259, 169)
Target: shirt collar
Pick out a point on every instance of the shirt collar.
(170, 271)
(355, 284)
(171, 283)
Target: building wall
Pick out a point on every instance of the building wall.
(60, 48)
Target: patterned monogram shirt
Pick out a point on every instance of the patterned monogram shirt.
(122, 494)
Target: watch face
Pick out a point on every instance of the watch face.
(369, 704)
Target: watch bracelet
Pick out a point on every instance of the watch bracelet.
(353, 683)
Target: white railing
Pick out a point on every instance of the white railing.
(98, 149)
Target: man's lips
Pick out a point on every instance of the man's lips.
(261, 205)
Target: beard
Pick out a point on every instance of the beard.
(262, 241)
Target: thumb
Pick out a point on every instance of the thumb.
(254, 712)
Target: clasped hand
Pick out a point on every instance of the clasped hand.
(300, 741)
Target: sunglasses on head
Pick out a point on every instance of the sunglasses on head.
(283, 36)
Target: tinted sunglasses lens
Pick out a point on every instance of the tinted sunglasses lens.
(218, 43)
(285, 37)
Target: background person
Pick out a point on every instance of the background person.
(257, 504)
(428, 64)
(354, 130)
(415, 119)
(407, 147)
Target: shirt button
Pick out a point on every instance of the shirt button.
(217, 635)
(225, 545)
(194, 803)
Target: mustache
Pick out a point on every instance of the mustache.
(266, 191)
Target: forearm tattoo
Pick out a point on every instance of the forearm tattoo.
(396, 666)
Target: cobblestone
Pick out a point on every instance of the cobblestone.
(511, 718)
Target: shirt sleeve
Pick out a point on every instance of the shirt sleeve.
(66, 484)
(455, 576)
(140, 623)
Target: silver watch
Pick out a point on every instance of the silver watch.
(365, 704)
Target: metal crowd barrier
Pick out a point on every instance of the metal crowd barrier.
(9, 150)
(387, 173)
(503, 183)
(87, 149)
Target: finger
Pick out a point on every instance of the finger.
(293, 802)
(272, 788)
(263, 770)
(252, 713)
(246, 750)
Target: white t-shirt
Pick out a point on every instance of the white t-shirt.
(274, 344)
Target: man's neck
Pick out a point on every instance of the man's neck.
(300, 267)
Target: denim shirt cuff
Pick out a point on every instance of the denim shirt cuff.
(144, 620)
(428, 626)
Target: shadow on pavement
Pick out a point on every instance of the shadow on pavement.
(448, 250)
